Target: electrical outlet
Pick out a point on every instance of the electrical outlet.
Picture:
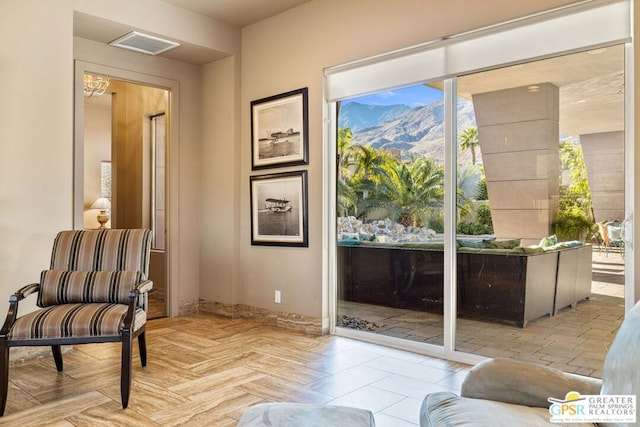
(277, 297)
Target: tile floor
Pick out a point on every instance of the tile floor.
(205, 371)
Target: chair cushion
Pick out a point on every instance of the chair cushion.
(447, 409)
(74, 320)
(67, 287)
(102, 250)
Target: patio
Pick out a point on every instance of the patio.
(575, 340)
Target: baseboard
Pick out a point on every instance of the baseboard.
(281, 319)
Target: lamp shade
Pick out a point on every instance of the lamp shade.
(102, 203)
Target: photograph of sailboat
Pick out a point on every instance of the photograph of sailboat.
(279, 130)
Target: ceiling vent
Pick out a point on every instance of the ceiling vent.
(144, 43)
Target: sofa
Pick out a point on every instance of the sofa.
(504, 392)
(514, 284)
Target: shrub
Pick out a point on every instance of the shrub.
(572, 224)
(482, 225)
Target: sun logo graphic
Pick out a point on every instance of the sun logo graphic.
(573, 404)
(592, 408)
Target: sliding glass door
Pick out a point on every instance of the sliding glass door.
(390, 213)
(540, 181)
(488, 217)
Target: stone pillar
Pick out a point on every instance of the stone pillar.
(518, 134)
(604, 159)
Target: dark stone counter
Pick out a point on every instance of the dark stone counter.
(492, 284)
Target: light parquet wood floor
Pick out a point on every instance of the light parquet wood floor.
(205, 370)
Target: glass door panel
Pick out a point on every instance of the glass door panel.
(390, 204)
(540, 182)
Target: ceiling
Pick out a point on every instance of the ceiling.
(239, 13)
(591, 86)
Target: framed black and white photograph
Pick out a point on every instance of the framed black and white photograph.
(279, 133)
(279, 209)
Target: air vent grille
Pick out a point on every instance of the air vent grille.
(144, 43)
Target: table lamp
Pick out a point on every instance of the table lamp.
(104, 205)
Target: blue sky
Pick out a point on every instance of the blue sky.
(413, 96)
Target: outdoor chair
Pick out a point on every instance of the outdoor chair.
(614, 232)
(95, 291)
(603, 240)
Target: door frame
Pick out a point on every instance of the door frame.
(172, 164)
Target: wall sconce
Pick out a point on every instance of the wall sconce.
(104, 205)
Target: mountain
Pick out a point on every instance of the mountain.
(418, 131)
(357, 116)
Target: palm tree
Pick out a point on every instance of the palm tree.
(469, 141)
(345, 152)
(409, 191)
(369, 166)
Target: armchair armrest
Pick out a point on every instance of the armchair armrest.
(139, 297)
(521, 383)
(14, 299)
(145, 286)
(25, 291)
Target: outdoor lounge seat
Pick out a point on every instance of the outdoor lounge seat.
(615, 237)
(504, 392)
(95, 291)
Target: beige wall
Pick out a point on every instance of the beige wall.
(210, 159)
(97, 145)
(36, 134)
(290, 51)
(220, 182)
(183, 215)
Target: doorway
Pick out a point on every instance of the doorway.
(125, 167)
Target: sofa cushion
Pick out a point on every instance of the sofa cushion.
(65, 287)
(502, 244)
(549, 241)
(447, 409)
(471, 243)
(621, 371)
(523, 383)
(308, 415)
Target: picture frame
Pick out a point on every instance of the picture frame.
(279, 130)
(279, 211)
(105, 179)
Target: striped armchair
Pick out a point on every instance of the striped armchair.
(96, 290)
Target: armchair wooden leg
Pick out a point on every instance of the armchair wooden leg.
(125, 376)
(142, 346)
(4, 376)
(57, 356)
